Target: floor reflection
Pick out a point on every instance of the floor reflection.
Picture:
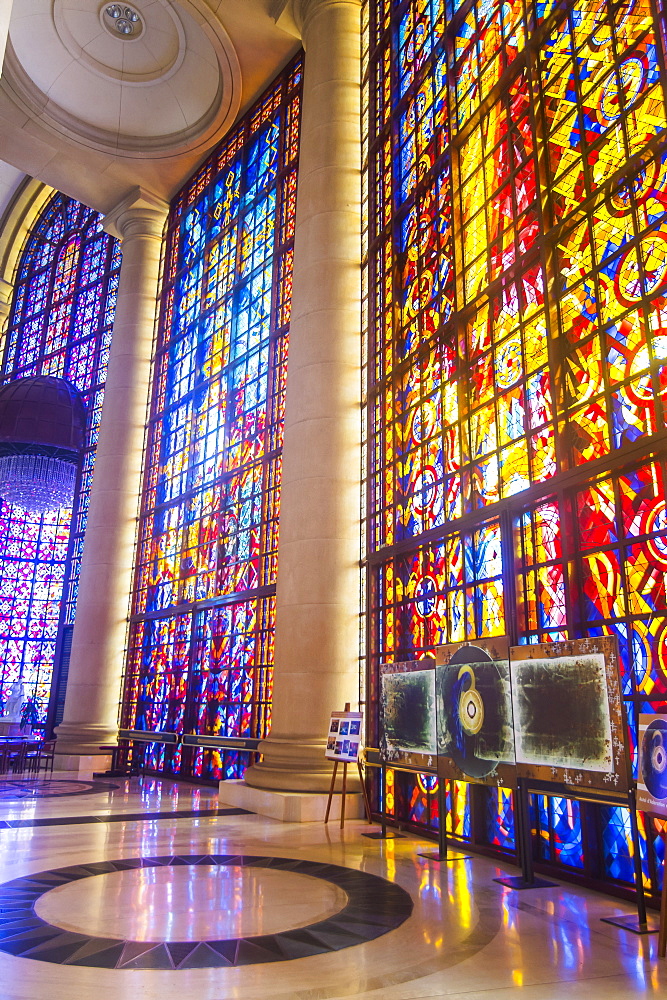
(170, 928)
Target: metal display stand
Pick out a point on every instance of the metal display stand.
(372, 759)
(524, 845)
(662, 940)
(641, 924)
(443, 854)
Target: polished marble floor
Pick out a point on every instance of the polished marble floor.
(149, 891)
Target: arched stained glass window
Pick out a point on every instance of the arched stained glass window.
(516, 280)
(201, 642)
(60, 324)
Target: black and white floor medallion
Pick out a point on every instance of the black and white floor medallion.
(374, 906)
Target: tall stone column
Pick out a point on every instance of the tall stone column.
(317, 616)
(98, 642)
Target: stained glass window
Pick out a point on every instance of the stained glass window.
(201, 643)
(592, 563)
(515, 280)
(617, 844)
(558, 822)
(458, 817)
(60, 324)
(500, 818)
(413, 797)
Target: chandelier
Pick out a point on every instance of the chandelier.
(42, 433)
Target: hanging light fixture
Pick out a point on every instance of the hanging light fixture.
(42, 435)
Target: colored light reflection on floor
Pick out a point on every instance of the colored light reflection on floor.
(158, 845)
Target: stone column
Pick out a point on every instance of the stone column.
(5, 15)
(98, 643)
(317, 617)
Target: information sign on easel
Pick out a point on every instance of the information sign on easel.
(344, 746)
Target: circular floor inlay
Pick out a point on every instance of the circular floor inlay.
(374, 906)
(190, 903)
(42, 788)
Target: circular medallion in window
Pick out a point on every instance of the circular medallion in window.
(122, 21)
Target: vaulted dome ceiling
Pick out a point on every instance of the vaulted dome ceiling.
(146, 78)
(99, 97)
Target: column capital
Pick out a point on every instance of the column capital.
(294, 15)
(6, 293)
(140, 213)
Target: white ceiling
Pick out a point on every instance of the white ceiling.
(95, 115)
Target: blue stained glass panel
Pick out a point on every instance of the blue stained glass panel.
(499, 816)
(617, 843)
(60, 324)
(566, 825)
(211, 503)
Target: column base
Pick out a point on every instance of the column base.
(86, 740)
(288, 807)
(288, 766)
(83, 764)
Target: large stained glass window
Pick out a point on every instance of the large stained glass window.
(60, 324)
(201, 644)
(515, 242)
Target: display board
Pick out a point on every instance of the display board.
(652, 776)
(473, 703)
(482, 712)
(407, 713)
(568, 714)
(344, 737)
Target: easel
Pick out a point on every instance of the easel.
(344, 789)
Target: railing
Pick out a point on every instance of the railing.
(127, 738)
(220, 742)
(142, 736)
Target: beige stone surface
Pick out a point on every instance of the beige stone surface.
(291, 807)
(98, 642)
(82, 765)
(5, 15)
(10, 179)
(316, 647)
(6, 292)
(177, 75)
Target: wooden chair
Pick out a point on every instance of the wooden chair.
(17, 756)
(32, 756)
(46, 753)
(5, 758)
